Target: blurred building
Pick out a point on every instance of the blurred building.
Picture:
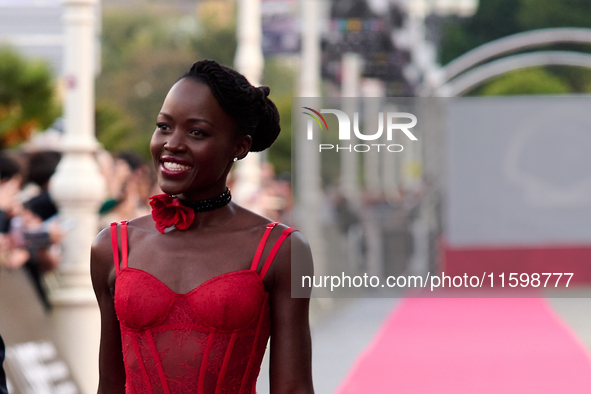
(357, 27)
(281, 22)
(396, 39)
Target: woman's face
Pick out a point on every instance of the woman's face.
(194, 142)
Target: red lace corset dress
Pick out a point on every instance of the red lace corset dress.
(209, 340)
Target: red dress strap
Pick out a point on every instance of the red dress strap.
(275, 249)
(261, 247)
(115, 245)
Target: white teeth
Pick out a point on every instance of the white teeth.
(175, 166)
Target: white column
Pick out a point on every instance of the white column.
(308, 181)
(351, 64)
(412, 167)
(391, 163)
(249, 54)
(372, 90)
(309, 84)
(250, 62)
(78, 189)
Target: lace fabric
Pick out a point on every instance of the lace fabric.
(209, 340)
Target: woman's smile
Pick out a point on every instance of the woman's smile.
(174, 167)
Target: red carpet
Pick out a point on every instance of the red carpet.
(472, 346)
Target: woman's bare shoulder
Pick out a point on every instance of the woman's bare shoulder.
(145, 223)
(103, 240)
(101, 252)
(101, 262)
(295, 254)
(101, 246)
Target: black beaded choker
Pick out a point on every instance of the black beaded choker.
(209, 204)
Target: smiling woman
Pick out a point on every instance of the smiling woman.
(190, 295)
(195, 142)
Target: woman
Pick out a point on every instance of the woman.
(190, 295)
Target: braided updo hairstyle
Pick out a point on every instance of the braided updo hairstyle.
(254, 113)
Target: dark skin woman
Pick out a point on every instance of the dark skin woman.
(210, 117)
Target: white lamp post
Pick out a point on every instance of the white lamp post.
(78, 189)
(250, 62)
(352, 64)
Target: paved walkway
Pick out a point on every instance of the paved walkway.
(22, 318)
(341, 336)
(574, 307)
(338, 338)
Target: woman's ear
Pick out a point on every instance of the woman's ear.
(243, 146)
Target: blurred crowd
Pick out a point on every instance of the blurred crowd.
(31, 232)
(272, 199)
(375, 228)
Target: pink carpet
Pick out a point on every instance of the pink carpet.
(472, 346)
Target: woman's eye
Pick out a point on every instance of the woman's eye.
(197, 133)
(162, 127)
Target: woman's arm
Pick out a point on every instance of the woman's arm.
(291, 345)
(111, 368)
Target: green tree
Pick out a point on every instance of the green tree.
(215, 42)
(142, 57)
(144, 53)
(281, 77)
(539, 14)
(526, 82)
(495, 19)
(27, 97)
(112, 127)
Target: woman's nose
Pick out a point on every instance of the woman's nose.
(176, 142)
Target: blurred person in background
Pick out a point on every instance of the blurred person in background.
(282, 187)
(10, 182)
(129, 183)
(202, 283)
(42, 165)
(269, 202)
(10, 208)
(37, 226)
(275, 195)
